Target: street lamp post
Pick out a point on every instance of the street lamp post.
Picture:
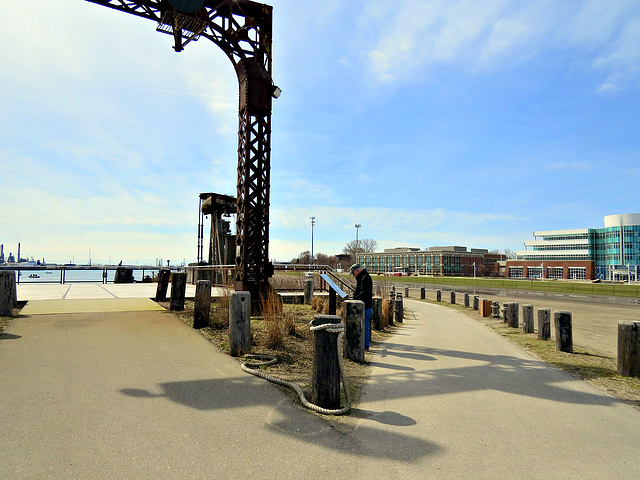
(313, 222)
(357, 242)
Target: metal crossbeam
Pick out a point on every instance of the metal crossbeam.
(242, 29)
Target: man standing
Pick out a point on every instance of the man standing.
(364, 292)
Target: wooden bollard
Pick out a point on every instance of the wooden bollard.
(423, 293)
(163, 284)
(485, 307)
(527, 319)
(398, 309)
(438, 295)
(466, 300)
(629, 348)
(476, 302)
(564, 334)
(202, 304)
(325, 381)
(7, 292)
(376, 316)
(123, 275)
(514, 316)
(178, 291)
(544, 324)
(308, 291)
(240, 323)
(354, 330)
(453, 298)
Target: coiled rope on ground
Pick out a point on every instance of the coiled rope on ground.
(267, 360)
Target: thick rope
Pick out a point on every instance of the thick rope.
(270, 360)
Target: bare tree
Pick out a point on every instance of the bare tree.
(366, 245)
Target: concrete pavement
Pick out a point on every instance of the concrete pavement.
(141, 395)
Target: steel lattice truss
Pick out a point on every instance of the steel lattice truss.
(242, 29)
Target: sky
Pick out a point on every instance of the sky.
(427, 122)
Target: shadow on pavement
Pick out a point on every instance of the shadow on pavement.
(491, 372)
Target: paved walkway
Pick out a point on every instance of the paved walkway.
(141, 395)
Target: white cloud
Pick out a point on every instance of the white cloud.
(406, 39)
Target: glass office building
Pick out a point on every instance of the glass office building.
(613, 251)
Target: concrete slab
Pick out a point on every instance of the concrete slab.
(94, 305)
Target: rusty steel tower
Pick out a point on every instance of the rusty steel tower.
(242, 29)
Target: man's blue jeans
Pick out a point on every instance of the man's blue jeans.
(368, 313)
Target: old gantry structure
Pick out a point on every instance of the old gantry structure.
(242, 29)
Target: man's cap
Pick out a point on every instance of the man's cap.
(354, 267)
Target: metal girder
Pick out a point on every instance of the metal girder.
(243, 30)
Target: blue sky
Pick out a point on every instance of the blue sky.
(429, 123)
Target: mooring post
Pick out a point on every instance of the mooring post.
(453, 298)
(308, 290)
(178, 290)
(7, 292)
(466, 300)
(514, 315)
(506, 312)
(240, 323)
(527, 319)
(544, 324)
(406, 292)
(392, 307)
(376, 316)
(202, 305)
(123, 275)
(423, 293)
(354, 330)
(438, 295)
(476, 302)
(564, 334)
(399, 309)
(325, 381)
(629, 348)
(163, 284)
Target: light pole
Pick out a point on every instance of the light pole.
(313, 222)
(357, 242)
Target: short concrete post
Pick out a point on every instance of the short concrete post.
(564, 333)
(514, 318)
(308, 291)
(7, 292)
(506, 312)
(163, 284)
(544, 324)
(178, 290)
(466, 300)
(354, 334)
(240, 323)
(325, 380)
(629, 348)
(495, 309)
(453, 298)
(406, 292)
(476, 302)
(527, 319)
(202, 304)
(438, 295)
(376, 316)
(423, 293)
(399, 309)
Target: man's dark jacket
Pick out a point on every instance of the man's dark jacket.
(364, 288)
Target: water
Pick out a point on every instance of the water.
(79, 276)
